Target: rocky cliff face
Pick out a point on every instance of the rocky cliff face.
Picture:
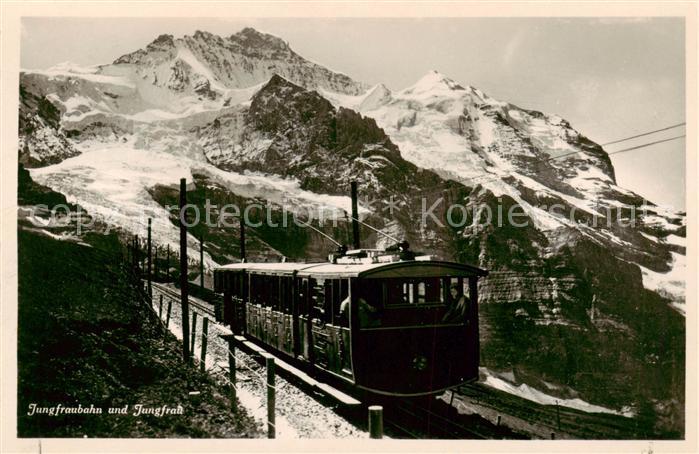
(42, 140)
(584, 296)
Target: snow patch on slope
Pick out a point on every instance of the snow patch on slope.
(111, 182)
(670, 284)
(66, 70)
(527, 392)
(198, 67)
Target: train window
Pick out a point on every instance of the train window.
(317, 291)
(459, 305)
(340, 293)
(256, 289)
(328, 300)
(394, 292)
(415, 291)
(462, 283)
(277, 293)
(284, 295)
(236, 286)
(265, 290)
(433, 291)
(302, 285)
(408, 296)
(370, 299)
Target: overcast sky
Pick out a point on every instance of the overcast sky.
(611, 78)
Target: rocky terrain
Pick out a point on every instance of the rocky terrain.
(584, 301)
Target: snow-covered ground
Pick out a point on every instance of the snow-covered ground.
(69, 70)
(670, 284)
(527, 392)
(111, 182)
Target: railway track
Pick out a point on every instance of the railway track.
(203, 307)
(432, 418)
(426, 418)
(543, 420)
(403, 419)
(419, 421)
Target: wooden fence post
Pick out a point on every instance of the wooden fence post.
(169, 309)
(137, 258)
(558, 415)
(271, 395)
(231, 368)
(194, 336)
(376, 421)
(204, 342)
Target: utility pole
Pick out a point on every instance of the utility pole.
(201, 260)
(150, 262)
(242, 239)
(184, 290)
(355, 216)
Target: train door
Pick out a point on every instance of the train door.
(320, 316)
(338, 294)
(295, 302)
(239, 296)
(330, 328)
(256, 307)
(304, 322)
(285, 317)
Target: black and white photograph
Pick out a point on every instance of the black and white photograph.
(357, 228)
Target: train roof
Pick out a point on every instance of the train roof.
(266, 267)
(403, 268)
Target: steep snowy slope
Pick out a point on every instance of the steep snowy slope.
(539, 160)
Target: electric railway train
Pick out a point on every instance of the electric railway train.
(372, 320)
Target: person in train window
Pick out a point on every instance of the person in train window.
(458, 305)
(344, 312)
(368, 315)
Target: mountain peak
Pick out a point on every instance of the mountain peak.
(433, 80)
(278, 81)
(162, 42)
(250, 37)
(277, 87)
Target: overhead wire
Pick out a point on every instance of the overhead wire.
(491, 177)
(646, 144)
(644, 134)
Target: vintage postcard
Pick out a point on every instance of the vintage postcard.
(308, 226)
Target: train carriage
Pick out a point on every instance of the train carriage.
(402, 327)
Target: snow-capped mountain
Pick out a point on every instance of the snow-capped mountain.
(245, 118)
(209, 65)
(536, 159)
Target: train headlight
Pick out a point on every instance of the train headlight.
(419, 363)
